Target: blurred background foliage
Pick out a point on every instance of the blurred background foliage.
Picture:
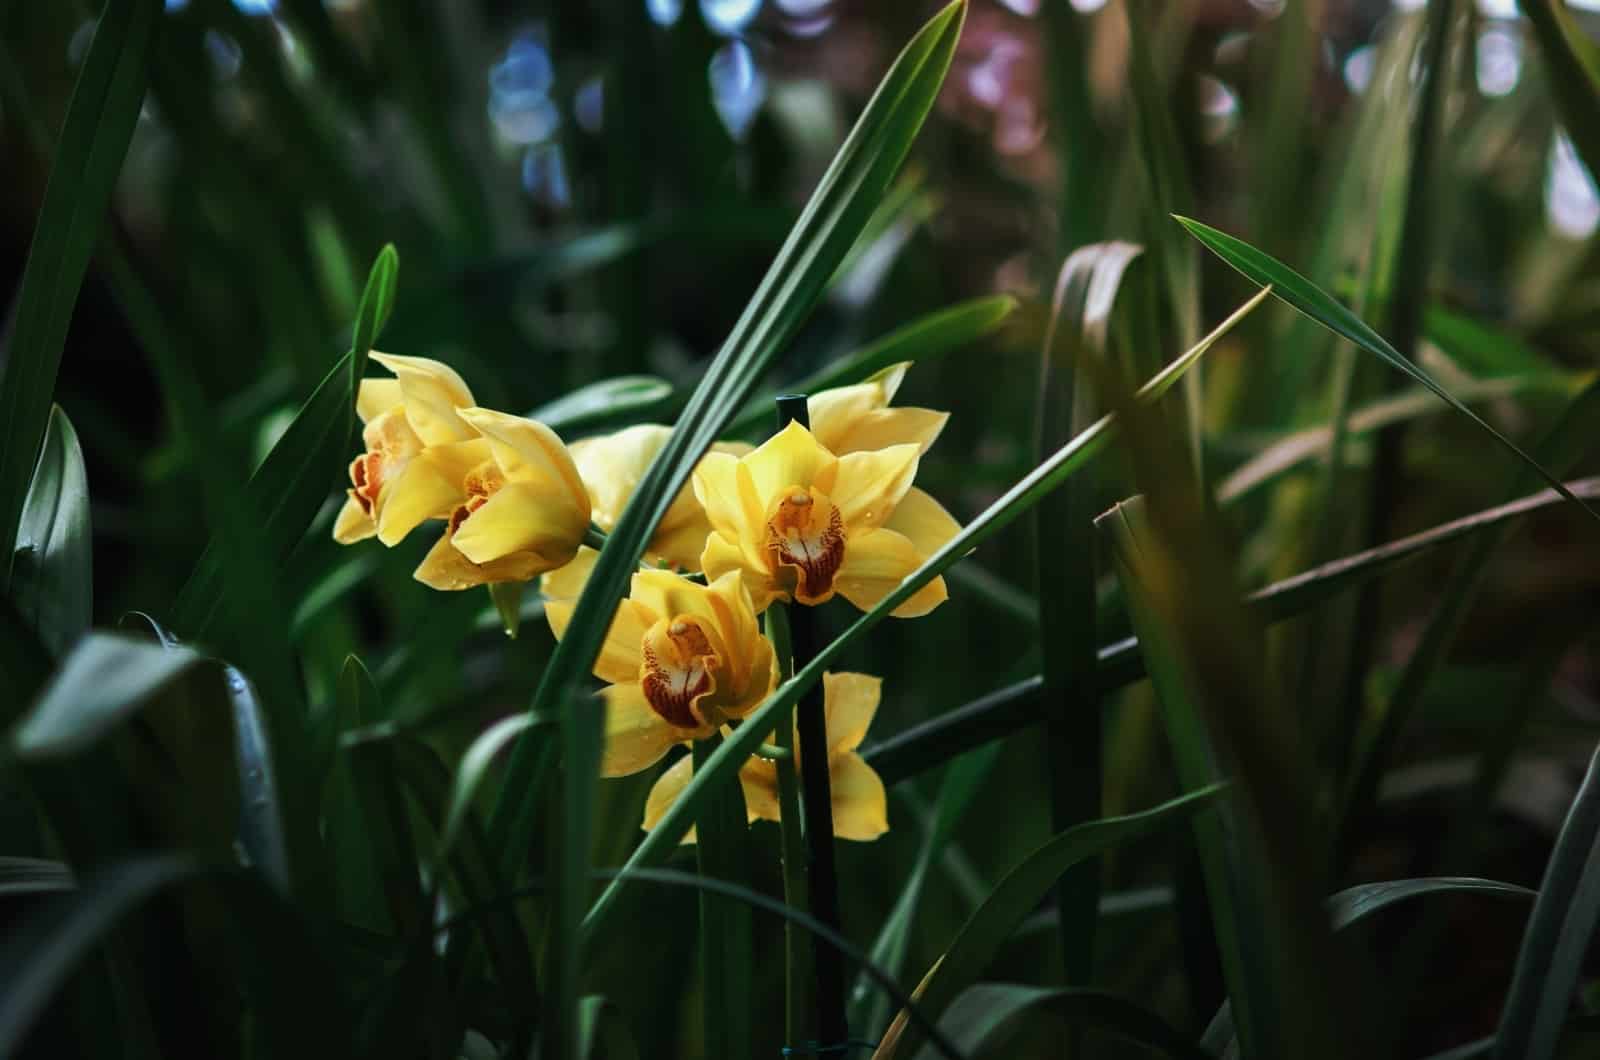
(583, 191)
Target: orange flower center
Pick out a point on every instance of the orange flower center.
(681, 662)
(805, 543)
(480, 484)
(366, 478)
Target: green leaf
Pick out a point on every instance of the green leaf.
(1308, 298)
(102, 681)
(1293, 450)
(1561, 448)
(869, 1012)
(1558, 934)
(1572, 64)
(1354, 904)
(1011, 505)
(1063, 535)
(610, 401)
(726, 947)
(1016, 895)
(922, 340)
(829, 225)
(51, 578)
(261, 829)
(294, 480)
(908, 1003)
(37, 959)
(282, 973)
(1359, 902)
(33, 876)
(930, 744)
(100, 120)
(979, 1017)
(603, 1032)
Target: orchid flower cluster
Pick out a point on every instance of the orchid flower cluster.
(811, 514)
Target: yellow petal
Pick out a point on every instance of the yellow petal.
(759, 779)
(433, 392)
(924, 521)
(791, 457)
(849, 701)
(680, 546)
(568, 580)
(869, 485)
(446, 569)
(670, 595)
(374, 397)
(428, 486)
(722, 556)
(875, 563)
(528, 451)
(665, 792)
(353, 523)
(620, 656)
(612, 465)
(716, 487)
(835, 410)
(536, 517)
(390, 433)
(885, 427)
(860, 805)
(636, 736)
(735, 615)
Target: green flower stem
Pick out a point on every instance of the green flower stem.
(594, 537)
(796, 970)
(816, 793)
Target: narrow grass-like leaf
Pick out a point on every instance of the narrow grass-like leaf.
(725, 929)
(1170, 191)
(1293, 450)
(261, 829)
(840, 207)
(625, 399)
(100, 119)
(1356, 903)
(102, 681)
(34, 876)
(294, 480)
(51, 581)
(869, 1011)
(979, 1017)
(1558, 935)
(603, 1031)
(1005, 510)
(999, 713)
(1063, 534)
(1561, 448)
(1317, 304)
(922, 340)
(1572, 61)
(35, 961)
(281, 971)
(1015, 896)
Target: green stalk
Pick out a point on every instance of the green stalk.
(817, 797)
(795, 970)
(724, 927)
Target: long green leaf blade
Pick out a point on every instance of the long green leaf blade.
(51, 574)
(1308, 298)
(100, 119)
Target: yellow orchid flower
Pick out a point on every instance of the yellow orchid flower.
(799, 523)
(519, 512)
(681, 659)
(612, 466)
(857, 418)
(860, 807)
(418, 450)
